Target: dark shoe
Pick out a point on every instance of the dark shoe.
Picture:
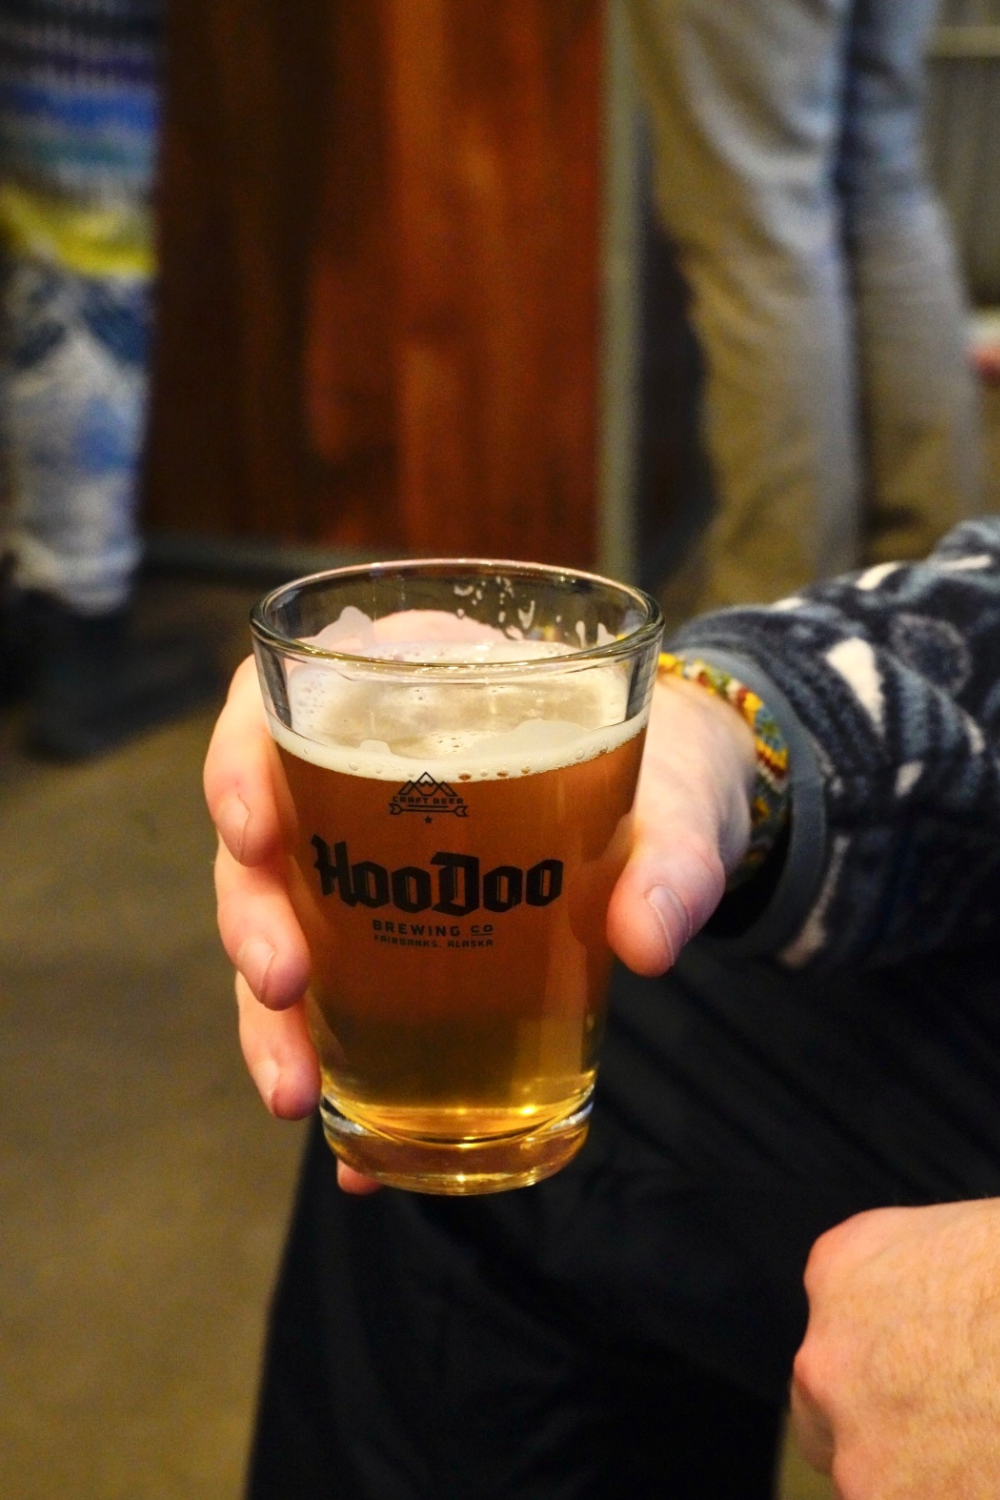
(16, 644)
(96, 685)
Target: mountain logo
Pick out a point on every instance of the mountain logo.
(427, 796)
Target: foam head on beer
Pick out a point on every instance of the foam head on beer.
(512, 725)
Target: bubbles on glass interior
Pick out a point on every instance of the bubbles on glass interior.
(432, 636)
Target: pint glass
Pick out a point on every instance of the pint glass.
(460, 743)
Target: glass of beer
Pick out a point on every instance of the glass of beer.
(460, 743)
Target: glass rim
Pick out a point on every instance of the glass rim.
(639, 636)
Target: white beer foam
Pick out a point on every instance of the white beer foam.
(390, 730)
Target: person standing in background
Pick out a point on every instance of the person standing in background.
(79, 125)
(841, 416)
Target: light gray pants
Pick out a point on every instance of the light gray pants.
(841, 412)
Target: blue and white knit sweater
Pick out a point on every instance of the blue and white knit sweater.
(887, 686)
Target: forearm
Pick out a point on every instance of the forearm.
(888, 694)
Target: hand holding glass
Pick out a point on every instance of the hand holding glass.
(460, 744)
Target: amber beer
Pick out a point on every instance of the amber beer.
(452, 850)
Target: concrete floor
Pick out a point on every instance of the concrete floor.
(143, 1189)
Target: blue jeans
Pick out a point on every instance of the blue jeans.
(841, 416)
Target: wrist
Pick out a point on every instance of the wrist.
(759, 777)
(712, 762)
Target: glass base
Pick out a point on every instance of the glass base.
(458, 1168)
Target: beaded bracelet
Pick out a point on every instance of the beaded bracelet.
(769, 799)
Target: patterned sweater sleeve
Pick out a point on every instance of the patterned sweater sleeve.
(887, 684)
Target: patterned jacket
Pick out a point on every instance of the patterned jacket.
(886, 684)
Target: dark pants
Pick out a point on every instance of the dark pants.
(627, 1327)
(414, 1353)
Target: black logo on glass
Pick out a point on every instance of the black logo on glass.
(457, 882)
(427, 796)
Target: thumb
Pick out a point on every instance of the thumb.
(668, 890)
(692, 823)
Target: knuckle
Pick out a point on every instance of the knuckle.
(806, 1376)
(232, 919)
(826, 1254)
